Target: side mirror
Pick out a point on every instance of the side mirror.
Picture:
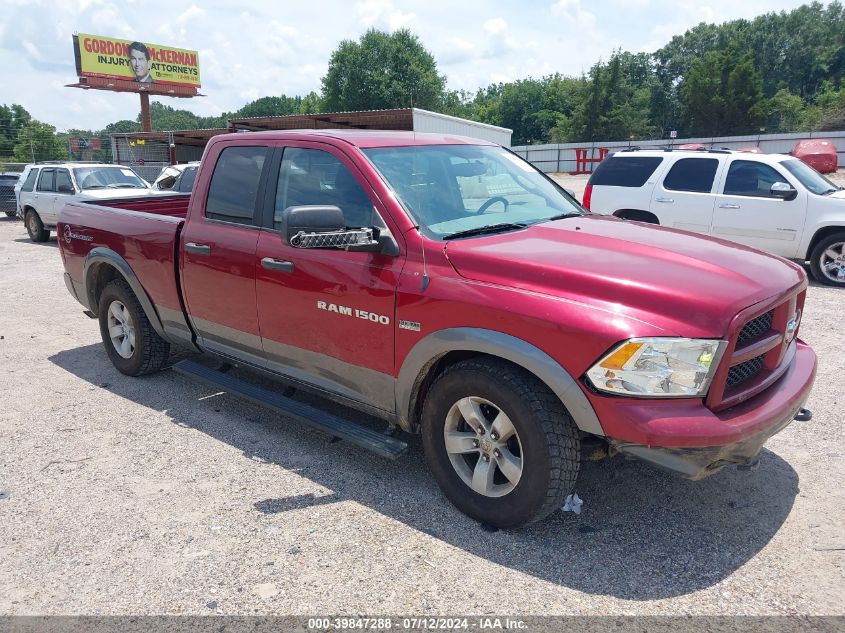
(318, 226)
(784, 191)
(65, 189)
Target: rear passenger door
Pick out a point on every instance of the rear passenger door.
(42, 199)
(684, 198)
(64, 192)
(218, 253)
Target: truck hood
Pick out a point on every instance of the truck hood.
(677, 281)
(838, 195)
(105, 194)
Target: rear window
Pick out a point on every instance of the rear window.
(692, 174)
(186, 183)
(29, 183)
(625, 171)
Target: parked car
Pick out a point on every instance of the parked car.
(449, 288)
(177, 178)
(772, 202)
(7, 193)
(46, 187)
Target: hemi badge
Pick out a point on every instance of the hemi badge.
(409, 325)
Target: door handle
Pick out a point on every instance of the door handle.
(728, 205)
(277, 264)
(664, 199)
(199, 249)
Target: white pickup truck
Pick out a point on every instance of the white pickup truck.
(772, 202)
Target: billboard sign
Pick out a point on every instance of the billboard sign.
(146, 64)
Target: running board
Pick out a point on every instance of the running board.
(335, 426)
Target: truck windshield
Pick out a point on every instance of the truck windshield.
(107, 178)
(809, 177)
(455, 190)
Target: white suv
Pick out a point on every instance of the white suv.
(44, 188)
(771, 202)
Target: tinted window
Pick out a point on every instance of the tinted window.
(312, 176)
(29, 183)
(692, 174)
(625, 171)
(63, 183)
(234, 184)
(45, 183)
(186, 182)
(809, 177)
(747, 178)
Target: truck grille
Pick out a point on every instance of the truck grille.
(757, 352)
(738, 374)
(755, 328)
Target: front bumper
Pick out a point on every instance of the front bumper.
(686, 437)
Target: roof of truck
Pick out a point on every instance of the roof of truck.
(364, 138)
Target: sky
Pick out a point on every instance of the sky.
(250, 48)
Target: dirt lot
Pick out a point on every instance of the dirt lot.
(158, 496)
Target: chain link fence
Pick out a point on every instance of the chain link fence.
(146, 156)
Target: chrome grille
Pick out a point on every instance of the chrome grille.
(755, 328)
(738, 374)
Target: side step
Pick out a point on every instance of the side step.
(335, 426)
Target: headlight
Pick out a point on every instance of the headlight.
(658, 367)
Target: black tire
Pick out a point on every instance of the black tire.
(819, 256)
(150, 351)
(548, 440)
(35, 227)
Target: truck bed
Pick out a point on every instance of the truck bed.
(143, 232)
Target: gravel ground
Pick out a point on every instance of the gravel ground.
(159, 496)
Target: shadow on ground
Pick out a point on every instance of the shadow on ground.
(643, 535)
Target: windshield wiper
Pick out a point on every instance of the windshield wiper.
(486, 230)
(563, 216)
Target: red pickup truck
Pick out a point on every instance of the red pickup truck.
(447, 287)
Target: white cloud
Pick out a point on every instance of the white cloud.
(384, 13)
(495, 26)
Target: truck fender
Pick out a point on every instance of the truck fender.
(433, 347)
(101, 255)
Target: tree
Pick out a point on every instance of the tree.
(12, 120)
(382, 71)
(38, 141)
(722, 95)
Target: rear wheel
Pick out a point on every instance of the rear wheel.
(133, 346)
(827, 261)
(501, 446)
(35, 227)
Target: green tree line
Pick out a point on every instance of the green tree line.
(779, 72)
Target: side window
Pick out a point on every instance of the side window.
(186, 181)
(747, 178)
(29, 183)
(234, 185)
(692, 174)
(625, 171)
(312, 176)
(63, 182)
(47, 180)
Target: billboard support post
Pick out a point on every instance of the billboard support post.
(146, 118)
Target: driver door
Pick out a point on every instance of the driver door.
(748, 213)
(326, 316)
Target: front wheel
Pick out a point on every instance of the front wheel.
(827, 262)
(501, 446)
(133, 346)
(35, 227)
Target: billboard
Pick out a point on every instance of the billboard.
(146, 64)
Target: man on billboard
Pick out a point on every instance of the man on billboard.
(139, 61)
